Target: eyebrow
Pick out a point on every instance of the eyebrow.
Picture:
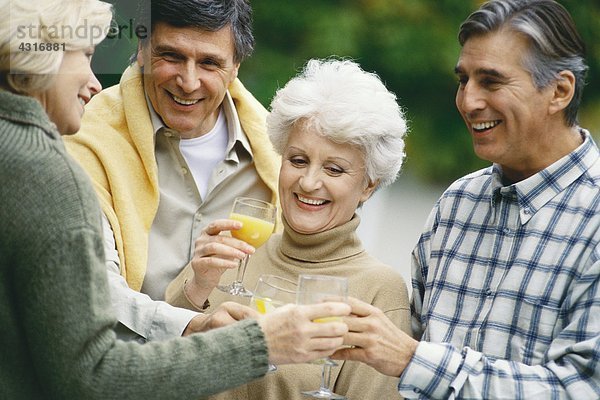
(334, 158)
(481, 71)
(165, 48)
(161, 48)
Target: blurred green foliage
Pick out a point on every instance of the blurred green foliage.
(410, 44)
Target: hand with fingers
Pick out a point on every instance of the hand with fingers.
(374, 340)
(293, 337)
(226, 314)
(214, 253)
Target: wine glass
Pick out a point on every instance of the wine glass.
(316, 289)
(271, 292)
(258, 219)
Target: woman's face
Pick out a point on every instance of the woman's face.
(74, 86)
(321, 183)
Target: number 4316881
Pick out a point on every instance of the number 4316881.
(24, 46)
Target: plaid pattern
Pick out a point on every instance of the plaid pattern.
(511, 273)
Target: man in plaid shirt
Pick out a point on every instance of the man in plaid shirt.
(506, 287)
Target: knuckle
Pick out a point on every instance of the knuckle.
(301, 355)
(302, 331)
(212, 247)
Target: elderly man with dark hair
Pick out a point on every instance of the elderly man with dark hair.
(169, 148)
(506, 276)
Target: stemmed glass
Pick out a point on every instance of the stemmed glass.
(271, 292)
(317, 289)
(258, 219)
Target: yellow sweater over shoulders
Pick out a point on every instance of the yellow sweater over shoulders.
(115, 145)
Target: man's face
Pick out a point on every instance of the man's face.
(186, 74)
(507, 116)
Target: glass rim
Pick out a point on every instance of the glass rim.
(322, 277)
(251, 202)
(267, 278)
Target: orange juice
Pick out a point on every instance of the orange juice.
(255, 231)
(264, 305)
(328, 319)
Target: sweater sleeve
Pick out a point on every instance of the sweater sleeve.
(61, 291)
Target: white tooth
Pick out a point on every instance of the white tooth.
(311, 201)
(485, 125)
(183, 101)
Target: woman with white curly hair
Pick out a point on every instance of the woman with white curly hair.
(340, 134)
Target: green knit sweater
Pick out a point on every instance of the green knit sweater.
(56, 319)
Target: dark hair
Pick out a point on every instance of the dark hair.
(555, 44)
(208, 15)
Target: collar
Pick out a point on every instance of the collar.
(334, 244)
(536, 191)
(234, 128)
(26, 110)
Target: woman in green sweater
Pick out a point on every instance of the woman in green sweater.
(340, 133)
(55, 314)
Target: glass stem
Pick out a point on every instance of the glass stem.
(241, 270)
(326, 378)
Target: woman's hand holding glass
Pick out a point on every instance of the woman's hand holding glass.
(250, 223)
(258, 221)
(292, 336)
(214, 254)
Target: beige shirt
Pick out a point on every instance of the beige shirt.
(181, 216)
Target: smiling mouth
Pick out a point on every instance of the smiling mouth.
(184, 102)
(311, 202)
(484, 126)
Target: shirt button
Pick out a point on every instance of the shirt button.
(417, 390)
(488, 292)
(507, 231)
(184, 171)
(527, 210)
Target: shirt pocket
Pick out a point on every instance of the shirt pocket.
(535, 330)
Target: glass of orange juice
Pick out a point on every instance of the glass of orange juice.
(270, 293)
(317, 289)
(258, 219)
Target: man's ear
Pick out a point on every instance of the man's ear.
(236, 69)
(140, 54)
(564, 91)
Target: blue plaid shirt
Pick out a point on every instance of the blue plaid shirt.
(506, 295)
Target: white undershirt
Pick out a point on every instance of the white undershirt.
(203, 153)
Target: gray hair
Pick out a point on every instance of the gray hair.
(555, 44)
(208, 15)
(63, 25)
(346, 105)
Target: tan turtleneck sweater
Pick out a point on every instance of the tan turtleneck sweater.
(336, 252)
